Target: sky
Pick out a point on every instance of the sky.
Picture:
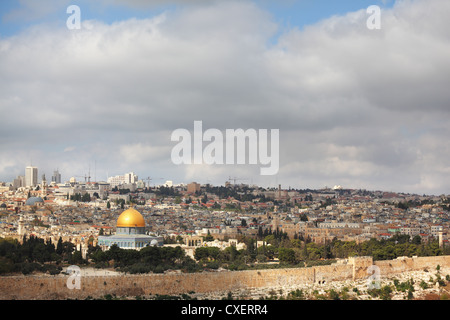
(355, 106)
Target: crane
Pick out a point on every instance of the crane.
(235, 179)
(86, 178)
(149, 179)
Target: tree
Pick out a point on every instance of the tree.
(50, 247)
(231, 253)
(206, 253)
(416, 240)
(216, 206)
(327, 251)
(108, 205)
(67, 249)
(59, 246)
(305, 251)
(286, 255)
(260, 232)
(251, 249)
(270, 239)
(86, 197)
(208, 237)
(76, 258)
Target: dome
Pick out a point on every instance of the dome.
(33, 200)
(130, 218)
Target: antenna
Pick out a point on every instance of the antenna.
(236, 179)
(148, 179)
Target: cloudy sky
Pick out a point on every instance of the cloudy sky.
(354, 107)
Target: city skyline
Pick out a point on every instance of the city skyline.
(355, 107)
(126, 180)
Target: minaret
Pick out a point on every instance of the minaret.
(21, 230)
(44, 187)
(441, 239)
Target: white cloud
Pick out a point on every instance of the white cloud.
(354, 106)
(139, 153)
(69, 149)
(30, 10)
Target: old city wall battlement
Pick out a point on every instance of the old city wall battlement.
(55, 287)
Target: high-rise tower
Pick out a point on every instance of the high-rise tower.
(31, 176)
(56, 178)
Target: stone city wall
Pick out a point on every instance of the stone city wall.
(55, 287)
(403, 264)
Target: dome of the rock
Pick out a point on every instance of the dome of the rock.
(130, 218)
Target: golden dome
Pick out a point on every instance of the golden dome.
(130, 218)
